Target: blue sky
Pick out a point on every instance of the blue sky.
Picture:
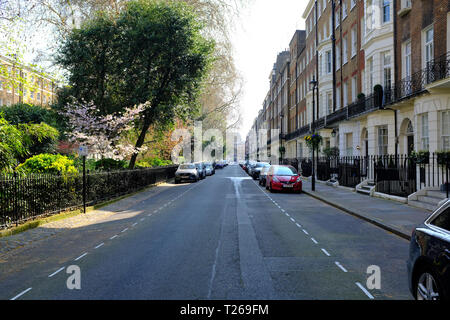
(266, 28)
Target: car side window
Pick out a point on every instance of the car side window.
(443, 220)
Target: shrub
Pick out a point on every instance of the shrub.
(331, 152)
(48, 163)
(27, 113)
(11, 145)
(110, 164)
(153, 162)
(39, 138)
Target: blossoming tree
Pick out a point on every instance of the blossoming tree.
(102, 134)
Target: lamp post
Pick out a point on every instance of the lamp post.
(313, 180)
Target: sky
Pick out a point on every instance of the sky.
(266, 27)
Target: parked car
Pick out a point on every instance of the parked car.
(429, 257)
(187, 172)
(201, 170)
(263, 174)
(256, 169)
(250, 166)
(281, 178)
(210, 169)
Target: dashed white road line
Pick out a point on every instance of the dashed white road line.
(124, 230)
(56, 272)
(292, 220)
(134, 224)
(326, 252)
(21, 294)
(81, 257)
(142, 219)
(100, 245)
(314, 240)
(298, 225)
(306, 232)
(365, 290)
(340, 266)
(113, 237)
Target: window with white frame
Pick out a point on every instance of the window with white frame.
(354, 40)
(338, 57)
(386, 11)
(445, 130)
(353, 4)
(338, 18)
(406, 4)
(370, 63)
(425, 139)
(354, 88)
(338, 98)
(387, 70)
(429, 45)
(370, 16)
(407, 60)
(344, 9)
(383, 140)
(329, 62)
(345, 53)
(345, 94)
(330, 102)
(349, 144)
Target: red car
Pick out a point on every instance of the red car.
(280, 178)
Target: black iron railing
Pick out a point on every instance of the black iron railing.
(400, 175)
(26, 197)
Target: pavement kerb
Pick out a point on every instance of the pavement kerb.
(360, 215)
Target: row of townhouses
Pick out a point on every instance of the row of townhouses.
(372, 77)
(22, 84)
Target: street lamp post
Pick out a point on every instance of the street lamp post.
(313, 179)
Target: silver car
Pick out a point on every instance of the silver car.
(187, 172)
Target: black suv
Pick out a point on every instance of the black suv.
(429, 257)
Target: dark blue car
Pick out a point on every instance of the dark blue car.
(429, 257)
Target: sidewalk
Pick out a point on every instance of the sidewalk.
(33, 236)
(392, 216)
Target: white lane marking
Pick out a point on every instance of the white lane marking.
(340, 266)
(306, 232)
(326, 252)
(81, 257)
(282, 210)
(112, 238)
(287, 214)
(314, 240)
(142, 219)
(56, 272)
(124, 230)
(156, 211)
(365, 290)
(298, 225)
(292, 220)
(161, 208)
(149, 215)
(100, 245)
(134, 224)
(21, 294)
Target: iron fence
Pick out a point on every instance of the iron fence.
(24, 197)
(400, 175)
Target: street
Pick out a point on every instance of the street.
(221, 238)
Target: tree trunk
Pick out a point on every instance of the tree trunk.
(139, 143)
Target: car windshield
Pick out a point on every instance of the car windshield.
(261, 165)
(285, 171)
(187, 166)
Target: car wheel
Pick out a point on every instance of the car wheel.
(427, 287)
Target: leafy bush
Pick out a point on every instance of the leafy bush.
(110, 164)
(39, 138)
(152, 163)
(11, 145)
(26, 113)
(331, 152)
(48, 163)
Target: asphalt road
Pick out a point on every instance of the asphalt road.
(222, 238)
